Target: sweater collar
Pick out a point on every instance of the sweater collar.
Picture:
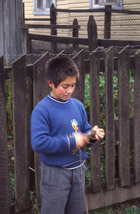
(56, 100)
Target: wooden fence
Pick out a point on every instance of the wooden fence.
(91, 41)
(29, 86)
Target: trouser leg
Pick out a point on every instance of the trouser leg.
(75, 203)
(55, 186)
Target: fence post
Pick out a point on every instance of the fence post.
(107, 24)
(110, 127)
(39, 79)
(53, 27)
(79, 90)
(11, 42)
(92, 34)
(20, 134)
(124, 129)
(75, 32)
(94, 119)
(4, 180)
(136, 118)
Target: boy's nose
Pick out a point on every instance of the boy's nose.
(69, 90)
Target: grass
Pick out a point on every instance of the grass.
(128, 207)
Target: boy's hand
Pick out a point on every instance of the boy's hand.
(81, 140)
(96, 133)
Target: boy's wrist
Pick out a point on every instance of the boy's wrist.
(72, 142)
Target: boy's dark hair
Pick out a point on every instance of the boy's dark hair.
(59, 68)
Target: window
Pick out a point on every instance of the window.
(42, 6)
(102, 3)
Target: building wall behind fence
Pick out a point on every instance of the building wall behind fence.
(123, 26)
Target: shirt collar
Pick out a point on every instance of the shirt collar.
(58, 101)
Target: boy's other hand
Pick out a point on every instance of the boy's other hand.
(81, 140)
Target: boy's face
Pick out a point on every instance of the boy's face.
(64, 90)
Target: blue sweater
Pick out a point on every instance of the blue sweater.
(53, 125)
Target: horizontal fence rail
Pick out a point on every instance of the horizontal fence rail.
(114, 163)
(115, 24)
(91, 42)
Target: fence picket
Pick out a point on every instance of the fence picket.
(29, 88)
(110, 126)
(124, 138)
(94, 119)
(2, 27)
(79, 90)
(20, 134)
(4, 181)
(136, 118)
(40, 90)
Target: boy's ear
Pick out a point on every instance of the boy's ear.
(50, 84)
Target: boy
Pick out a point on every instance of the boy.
(59, 132)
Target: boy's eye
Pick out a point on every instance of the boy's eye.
(66, 86)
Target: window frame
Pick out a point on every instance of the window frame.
(43, 11)
(95, 6)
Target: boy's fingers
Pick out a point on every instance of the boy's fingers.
(97, 133)
(100, 134)
(95, 128)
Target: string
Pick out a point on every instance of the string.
(84, 186)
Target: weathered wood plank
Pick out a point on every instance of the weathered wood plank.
(4, 177)
(107, 24)
(79, 90)
(98, 10)
(110, 125)
(53, 25)
(20, 134)
(2, 28)
(7, 38)
(58, 39)
(29, 87)
(36, 19)
(117, 195)
(124, 137)
(113, 42)
(13, 27)
(94, 120)
(137, 118)
(40, 90)
(75, 32)
(92, 34)
(19, 24)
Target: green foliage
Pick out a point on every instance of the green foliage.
(35, 204)
(102, 94)
(9, 111)
(130, 207)
(10, 145)
(12, 187)
(102, 112)
(87, 94)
